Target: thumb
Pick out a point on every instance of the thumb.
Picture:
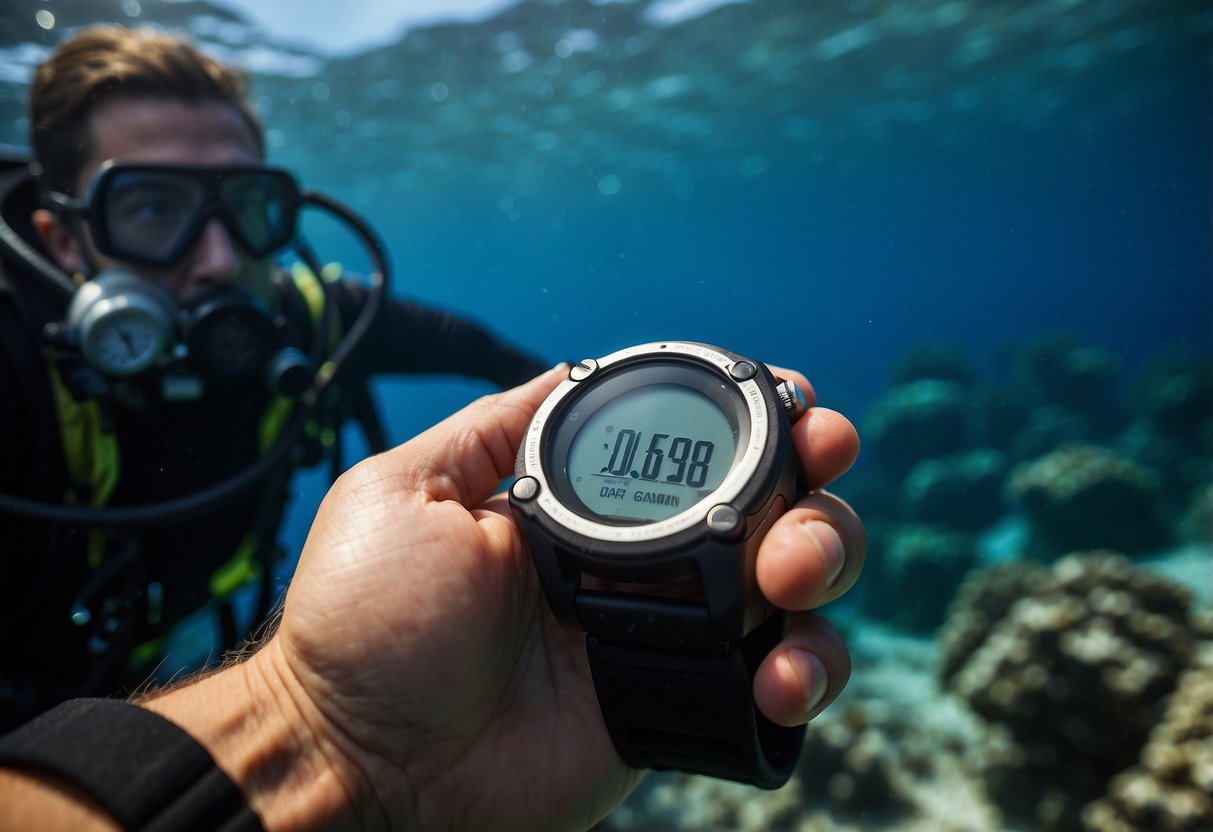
(465, 456)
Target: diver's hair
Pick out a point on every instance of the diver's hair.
(101, 62)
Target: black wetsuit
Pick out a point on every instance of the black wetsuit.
(167, 450)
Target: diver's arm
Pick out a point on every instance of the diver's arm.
(410, 338)
(245, 716)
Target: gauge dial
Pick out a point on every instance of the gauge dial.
(123, 336)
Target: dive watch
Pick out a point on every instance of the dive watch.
(644, 486)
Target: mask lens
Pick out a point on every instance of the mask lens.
(152, 215)
(148, 215)
(261, 207)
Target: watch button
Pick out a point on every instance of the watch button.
(583, 369)
(743, 370)
(526, 488)
(724, 520)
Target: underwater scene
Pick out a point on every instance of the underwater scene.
(983, 231)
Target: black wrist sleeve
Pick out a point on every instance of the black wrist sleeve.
(147, 772)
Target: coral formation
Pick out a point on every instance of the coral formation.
(916, 421)
(941, 362)
(1178, 460)
(675, 801)
(853, 761)
(983, 599)
(916, 574)
(1197, 521)
(1175, 392)
(1171, 788)
(1057, 369)
(1086, 497)
(867, 765)
(896, 754)
(1092, 645)
(963, 491)
(1172, 432)
(1046, 428)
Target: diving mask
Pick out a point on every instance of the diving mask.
(150, 214)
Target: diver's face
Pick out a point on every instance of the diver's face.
(164, 131)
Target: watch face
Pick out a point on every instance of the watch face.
(646, 444)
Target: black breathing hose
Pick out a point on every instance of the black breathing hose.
(19, 249)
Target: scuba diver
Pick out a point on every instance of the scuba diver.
(162, 375)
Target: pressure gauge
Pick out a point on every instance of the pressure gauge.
(123, 322)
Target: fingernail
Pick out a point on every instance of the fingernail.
(829, 546)
(813, 674)
(543, 377)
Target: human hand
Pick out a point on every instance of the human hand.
(419, 671)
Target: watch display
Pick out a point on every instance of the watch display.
(651, 452)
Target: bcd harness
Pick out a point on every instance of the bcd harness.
(93, 464)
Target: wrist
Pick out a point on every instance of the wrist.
(262, 733)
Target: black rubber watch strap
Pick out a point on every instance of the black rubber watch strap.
(147, 772)
(693, 711)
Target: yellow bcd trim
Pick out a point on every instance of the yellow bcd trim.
(89, 452)
(309, 286)
(241, 570)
